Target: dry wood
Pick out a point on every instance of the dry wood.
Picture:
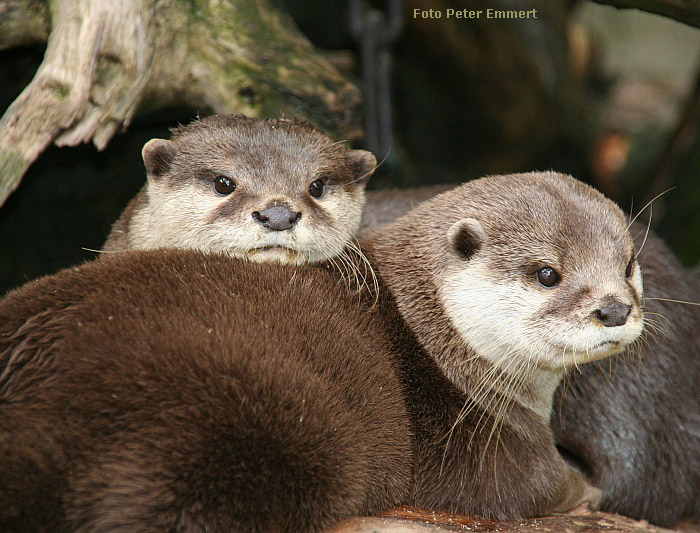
(23, 22)
(409, 519)
(680, 10)
(105, 60)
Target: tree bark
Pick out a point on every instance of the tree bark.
(409, 519)
(105, 60)
(680, 10)
(23, 22)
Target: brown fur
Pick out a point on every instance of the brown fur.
(165, 390)
(120, 445)
(518, 472)
(634, 427)
(631, 424)
(272, 163)
(384, 207)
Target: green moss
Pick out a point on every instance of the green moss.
(263, 66)
(12, 167)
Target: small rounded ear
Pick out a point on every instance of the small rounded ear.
(362, 164)
(157, 155)
(466, 237)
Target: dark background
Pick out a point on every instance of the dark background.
(469, 99)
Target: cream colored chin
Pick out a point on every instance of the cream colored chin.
(605, 349)
(570, 358)
(499, 321)
(276, 254)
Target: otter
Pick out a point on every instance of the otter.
(266, 190)
(630, 424)
(385, 206)
(172, 390)
(492, 292)
(151, 406)
(633, 428)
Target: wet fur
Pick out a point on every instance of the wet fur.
(631, 424)
(164, 390)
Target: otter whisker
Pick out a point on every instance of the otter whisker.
(360, 277)
(510, 391)
(485, 384)
(499, 385)
(654, 326)
(350, 271)
(354, 245)
(636, 352)
(370, 172)
(343, 273)
(100, 251)
(478, 393)
(333, 144)
(671, 300)
(651, 214)
(647, 205)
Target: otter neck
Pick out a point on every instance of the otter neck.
(416, 295)
(538, 392)
(487, 385)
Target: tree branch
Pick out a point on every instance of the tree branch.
(23, 22)
(106, 59)
(680, 10)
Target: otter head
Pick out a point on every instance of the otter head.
(266, 190)
(540, 271)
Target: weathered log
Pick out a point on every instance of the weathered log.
(105, 60)
(409, 519)
(23, 22)
(680, 10)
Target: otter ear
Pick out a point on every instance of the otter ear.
(362, 164)
(157, 155)
(466, 237)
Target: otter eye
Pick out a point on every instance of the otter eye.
(224, 185)
(317, 188)
(630, 268)
(547, 277)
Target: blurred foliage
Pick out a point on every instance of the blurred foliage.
(681, 224)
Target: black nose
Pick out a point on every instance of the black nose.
(613, 315)
(277, 218)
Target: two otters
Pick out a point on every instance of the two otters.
(128, 406)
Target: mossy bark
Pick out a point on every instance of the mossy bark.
(680, 10)
(106, 60)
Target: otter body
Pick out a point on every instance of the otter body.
(631, 425)
(266, 190)
(634, 428)
(174, 390)
(170, 390)
(383, 207)
(493, 291)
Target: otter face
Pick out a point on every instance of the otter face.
(544, 278)
(275, 190)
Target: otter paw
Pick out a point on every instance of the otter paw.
(578, 491)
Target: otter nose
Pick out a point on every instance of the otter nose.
(277, 218)
(614, 314)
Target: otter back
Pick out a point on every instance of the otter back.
(172, 390)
